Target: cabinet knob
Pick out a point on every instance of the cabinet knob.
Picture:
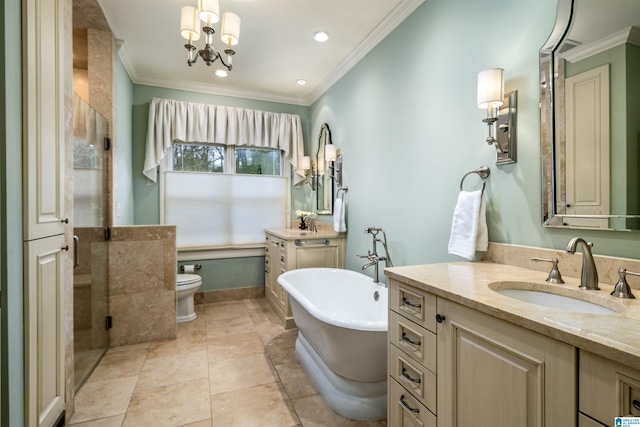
(66, 220)
(439, 318)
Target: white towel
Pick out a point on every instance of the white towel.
(469, 227)
(339, 224)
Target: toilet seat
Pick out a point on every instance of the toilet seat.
(187, 279)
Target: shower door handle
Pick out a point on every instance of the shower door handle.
(76, 251)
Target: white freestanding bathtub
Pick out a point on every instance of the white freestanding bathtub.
(342, 337)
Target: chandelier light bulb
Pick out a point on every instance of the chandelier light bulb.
(221, 73)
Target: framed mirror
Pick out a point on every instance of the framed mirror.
(590, 116)
(324, 182)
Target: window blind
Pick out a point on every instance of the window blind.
(221, 210)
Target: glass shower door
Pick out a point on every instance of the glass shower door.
(90, 300)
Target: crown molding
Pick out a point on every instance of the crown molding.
(628, 35)
(382, 30)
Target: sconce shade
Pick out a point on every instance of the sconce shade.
(209, 11)
(490, 88)
(189, 23)
(330, 153)
(230, 29)
(305, 163)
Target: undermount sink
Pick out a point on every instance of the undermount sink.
(557, 297)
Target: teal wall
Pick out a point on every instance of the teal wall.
(406, 120)
(123, 173)
(221, 273)
(11, 280)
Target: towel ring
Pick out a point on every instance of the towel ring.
(344, 190)
(483, 172)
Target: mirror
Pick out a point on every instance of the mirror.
(590, 116)
(324, 182)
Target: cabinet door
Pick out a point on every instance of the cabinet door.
(44, 117)
(317, 256)
(44, 331)
(495, 374)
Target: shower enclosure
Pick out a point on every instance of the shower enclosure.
(90, 284)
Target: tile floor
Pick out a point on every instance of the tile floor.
(235, 365)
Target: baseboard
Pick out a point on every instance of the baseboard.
(225, 295)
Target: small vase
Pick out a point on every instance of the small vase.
(303, 225)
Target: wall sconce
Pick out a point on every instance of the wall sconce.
(501, 114)
(305, 164)
(331, 155)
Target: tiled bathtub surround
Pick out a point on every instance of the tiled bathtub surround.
(570, 265)
(142, 284)
(234, 366)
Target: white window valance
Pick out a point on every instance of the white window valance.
(171, 120)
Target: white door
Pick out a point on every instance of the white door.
(44, 125)
(588, 141)
(44, 331)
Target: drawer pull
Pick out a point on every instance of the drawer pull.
(409, 340)
(415, 380)
(405, 301)
(406, 405)
(636, 405)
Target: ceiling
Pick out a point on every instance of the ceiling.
(276, 46)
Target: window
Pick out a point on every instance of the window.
(220, 195)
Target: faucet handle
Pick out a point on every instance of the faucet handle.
(622, 288)
(554, 274)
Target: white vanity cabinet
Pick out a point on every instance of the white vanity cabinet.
(607, 390)
(454, 366)
(292, 249)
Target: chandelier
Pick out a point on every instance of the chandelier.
(208, 11)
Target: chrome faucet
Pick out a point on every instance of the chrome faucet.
(372, 256)
(589, 276)
(311, 225)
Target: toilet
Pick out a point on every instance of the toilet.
(187, 285)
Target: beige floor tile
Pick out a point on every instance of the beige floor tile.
(180, 368)
(239, 373)
(233, 346)
(295, 380)
(103, 399)
(170, 406)
(205, 423)
(185, 343)
(129, 347)
(119, 364)
(256, 303)
(224, 310)
(239, 324)
(260, 406)
(104, 422)
(314, 412)
(281, 349)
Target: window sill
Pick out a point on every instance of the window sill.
(220, 252)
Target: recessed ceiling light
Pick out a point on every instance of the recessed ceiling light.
(321, 36)
(301, 82)
(221, 73)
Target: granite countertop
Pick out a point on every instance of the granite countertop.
(613, 336)
(296, 233)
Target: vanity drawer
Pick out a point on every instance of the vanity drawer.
(584, 421)
(413, 303)
(405, 410)
(413, 340)
(607, 389)
(414, 377)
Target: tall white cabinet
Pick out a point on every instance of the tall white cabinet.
(45, 220)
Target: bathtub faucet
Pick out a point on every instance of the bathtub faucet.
(372, 256)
